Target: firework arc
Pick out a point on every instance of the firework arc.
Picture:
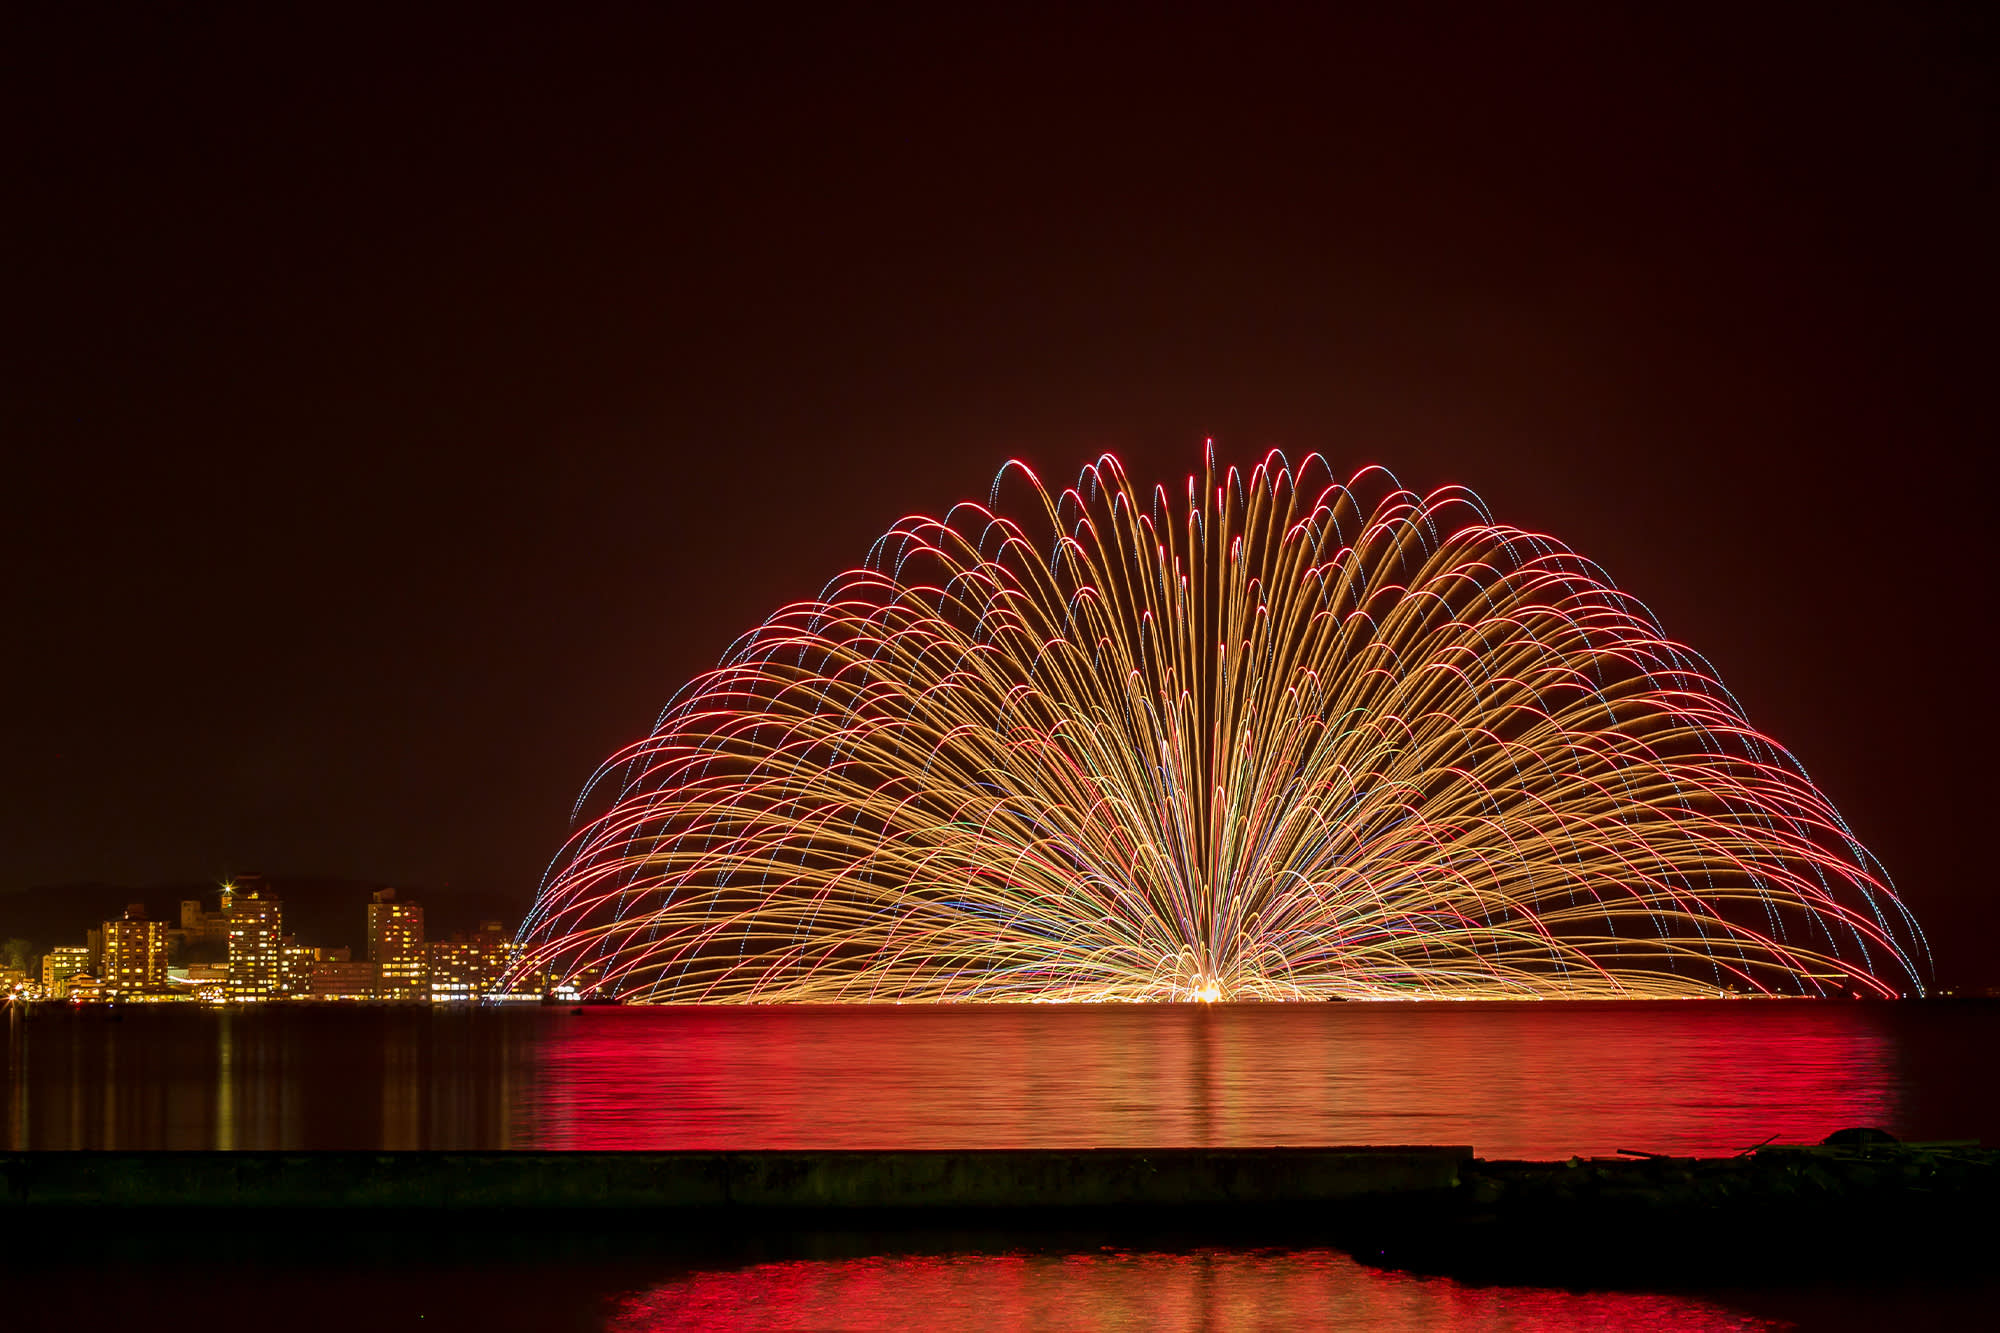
(1281, 738)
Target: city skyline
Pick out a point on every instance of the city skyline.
(246, 956)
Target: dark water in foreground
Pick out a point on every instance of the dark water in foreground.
(1511, 1080)
(943, 1284)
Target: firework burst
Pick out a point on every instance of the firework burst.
(1280, 738)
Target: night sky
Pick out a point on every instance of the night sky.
(395, 414)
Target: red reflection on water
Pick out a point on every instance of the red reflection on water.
(1212, 1290)
(1534, 1080)
(1527, 1080)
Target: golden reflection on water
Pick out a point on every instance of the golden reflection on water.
(225, 1099)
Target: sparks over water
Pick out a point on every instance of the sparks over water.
(1287, 738)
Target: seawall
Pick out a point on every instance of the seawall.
(1023, 1179)
(1777, 1213)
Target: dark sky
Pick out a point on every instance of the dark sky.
(396, 412)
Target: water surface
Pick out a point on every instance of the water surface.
(1217, 1290)
(1527, 1080)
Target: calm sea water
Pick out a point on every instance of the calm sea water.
(1511, 1080)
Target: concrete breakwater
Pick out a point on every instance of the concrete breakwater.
(1860, 1208)
(582, 1182)
(1875, 1208)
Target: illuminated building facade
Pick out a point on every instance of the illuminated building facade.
(396, 947)
(470, 967)
(135, 954)
(503, 952)
(457, 971)
(256, 946)
(295, 965)
(59, 965)
(342, 980)
(206, 982)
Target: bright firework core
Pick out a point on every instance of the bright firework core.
(1280, 738)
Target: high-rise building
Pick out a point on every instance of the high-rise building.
(256, 936)
(135, 954)
(396, 947)
(59, 965)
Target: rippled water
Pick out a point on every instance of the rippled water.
(1528, 1080)
(1218, 1290)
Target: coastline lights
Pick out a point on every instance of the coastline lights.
(1283, 738)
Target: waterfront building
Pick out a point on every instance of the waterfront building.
(207, 982)
(340, 979)
(472, 966)
(460, 970)
(295, 965)
(134, 954)
(14, 982)
(396, 947)
(579, 984)
(85, 988)
(59, 965)
(255, 945)
(504, 953)
(456, 971)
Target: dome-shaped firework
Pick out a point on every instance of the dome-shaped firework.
(1277, 741)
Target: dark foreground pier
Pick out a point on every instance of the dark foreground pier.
(1867, 1204)
(1028, 1179)
(1856, 1210)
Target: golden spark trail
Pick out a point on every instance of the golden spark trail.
(1290, 739)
